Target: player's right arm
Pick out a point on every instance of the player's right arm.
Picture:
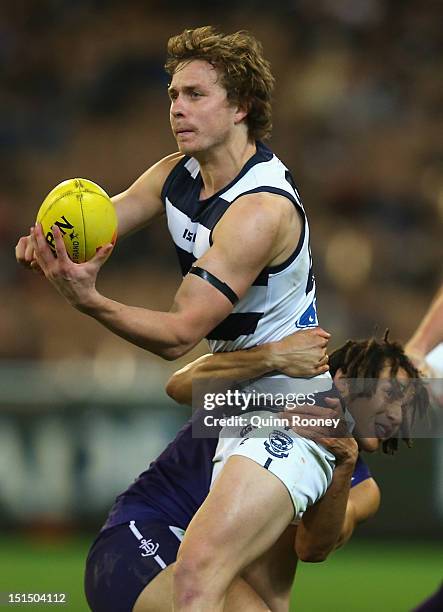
(363, 502)
(141, 203)
(321, 525)
(136, 207)
(302, 354)
(330, 523)
(429, 332)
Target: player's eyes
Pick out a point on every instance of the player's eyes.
(388, 391)
(394, 394)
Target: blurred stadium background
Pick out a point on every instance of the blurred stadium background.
(358, 118)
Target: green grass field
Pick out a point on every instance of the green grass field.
(364, 577)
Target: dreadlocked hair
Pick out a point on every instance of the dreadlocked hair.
(363, 360)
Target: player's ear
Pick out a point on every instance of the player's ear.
(342, 383)
(242, 110)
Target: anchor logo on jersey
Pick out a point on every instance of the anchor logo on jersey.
(279, 444)
(149, 547)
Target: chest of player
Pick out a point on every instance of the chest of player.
(191, 226)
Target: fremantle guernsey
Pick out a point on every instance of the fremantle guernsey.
(282, 298)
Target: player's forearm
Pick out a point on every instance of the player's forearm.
(348, 526)
(236, 366)
(321, 525)
(363, 502)
(430, 331)
(161, 333)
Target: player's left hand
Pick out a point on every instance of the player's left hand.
(302, 354)
(75, 282)
(335, 437)
(345, 450)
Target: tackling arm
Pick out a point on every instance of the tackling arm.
(302, 354)
(363, 502)
(429, 333)
(330, 523)
(321, 524)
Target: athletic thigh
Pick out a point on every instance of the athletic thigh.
(245, 512)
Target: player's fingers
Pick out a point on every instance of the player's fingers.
(102, 254)
(333, 402)
(323, 332)
(328, 443)
(60, 247)
(39, 247)
(321, 342)
(34, 265)
(20, 250)
(324, 360)
(43, 252)
(29, 251)
(341, 447)
(313, 433)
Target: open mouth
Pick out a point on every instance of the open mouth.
(382, 432)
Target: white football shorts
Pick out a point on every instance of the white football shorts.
(303, 466)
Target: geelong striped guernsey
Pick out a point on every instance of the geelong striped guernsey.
(282, 298)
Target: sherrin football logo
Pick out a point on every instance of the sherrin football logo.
(66, 228)
(279, 444)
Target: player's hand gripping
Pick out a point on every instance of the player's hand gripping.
(75, 282)
(303, 354)
(336, 439)
(24, 253)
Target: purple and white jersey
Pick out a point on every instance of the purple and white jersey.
(175, 484)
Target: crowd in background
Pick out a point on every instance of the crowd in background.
(358, 119)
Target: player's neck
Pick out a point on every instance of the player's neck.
(221, 165)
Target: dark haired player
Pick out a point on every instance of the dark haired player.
(144, 529)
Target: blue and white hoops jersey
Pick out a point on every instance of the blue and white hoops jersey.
(282, 298)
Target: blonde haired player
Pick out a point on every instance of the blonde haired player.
(242, 239)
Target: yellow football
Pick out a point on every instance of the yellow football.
(85, 215)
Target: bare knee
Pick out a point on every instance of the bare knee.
(196, 576)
